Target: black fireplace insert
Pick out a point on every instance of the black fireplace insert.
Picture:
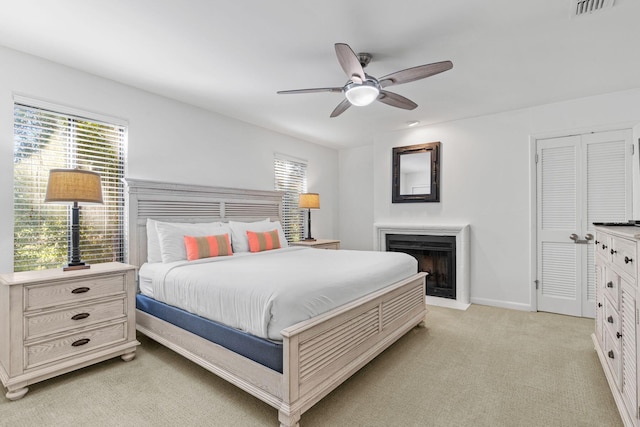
(436, 256)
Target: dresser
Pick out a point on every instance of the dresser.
(54, 321)
(319, 244)
(616, 330)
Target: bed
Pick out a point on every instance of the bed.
(314, 355)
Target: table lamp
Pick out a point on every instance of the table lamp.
(74, 186)
(309, 201)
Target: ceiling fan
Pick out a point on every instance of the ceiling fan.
(362, 89)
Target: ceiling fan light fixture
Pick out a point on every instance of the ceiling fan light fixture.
(361, 94)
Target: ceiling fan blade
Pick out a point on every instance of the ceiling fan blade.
(341, 108)
(415, 73)
(396, 100)
(350, 63)
(319, 89)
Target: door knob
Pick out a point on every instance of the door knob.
(573, 237)
(589, 236)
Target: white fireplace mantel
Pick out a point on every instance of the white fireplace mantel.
(461, 233)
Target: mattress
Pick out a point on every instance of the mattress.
(266, 292)
(265, 352)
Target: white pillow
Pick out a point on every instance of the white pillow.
(153, 242)
(283, 239)
(171, 237)
(239, 239)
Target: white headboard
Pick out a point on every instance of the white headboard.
(173, 202)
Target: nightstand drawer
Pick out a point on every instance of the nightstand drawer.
(334, 246)
(82, 316)
(72, 345)
(47, 295)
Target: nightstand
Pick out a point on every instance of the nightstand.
(319, 244)
(53, 322)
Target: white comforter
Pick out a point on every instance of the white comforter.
(263, 293)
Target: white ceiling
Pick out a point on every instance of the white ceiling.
(231, 56)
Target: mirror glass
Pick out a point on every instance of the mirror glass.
(416, 173)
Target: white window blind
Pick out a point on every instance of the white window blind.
(291, 178)
(44, 140)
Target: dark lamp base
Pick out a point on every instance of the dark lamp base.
(309, 239)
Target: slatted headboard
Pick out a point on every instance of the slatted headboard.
(173, 202)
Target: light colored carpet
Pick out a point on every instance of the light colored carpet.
(482, 367)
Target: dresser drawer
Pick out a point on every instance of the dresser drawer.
(48, 295)
(612, 353)
(74, 344)
(81, 316)
(601, 245)
(612, 286)
(612, 322)
(623, 254)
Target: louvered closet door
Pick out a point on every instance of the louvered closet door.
(608, 193)
(581, 179)
(559, 215)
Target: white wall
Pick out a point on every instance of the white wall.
(168, 140)
(485, 181)
(356, 201)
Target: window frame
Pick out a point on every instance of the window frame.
(293, 218)
(87, 135)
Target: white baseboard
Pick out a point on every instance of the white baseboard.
(502, 304)
(446, 302)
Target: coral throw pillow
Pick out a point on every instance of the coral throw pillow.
(207, 246)
(259, 242)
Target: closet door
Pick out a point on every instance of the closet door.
(581, 179)
(607, 193)
(560, 260)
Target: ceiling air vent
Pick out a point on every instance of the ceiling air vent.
(585, 7)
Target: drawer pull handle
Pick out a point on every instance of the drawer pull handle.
(599, 304)
(609, 284)
(618, 335)
(78, 343)
(81, 290)
(604, 246)
(610, 319)
(627, 260)
(79, 316)
(611, 354)
(613, 252)
(596, 242)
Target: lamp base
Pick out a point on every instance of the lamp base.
(80, 266)
(309, 239)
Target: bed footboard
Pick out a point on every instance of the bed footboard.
(321, 353)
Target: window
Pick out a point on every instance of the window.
(291, 178)
(48, 137)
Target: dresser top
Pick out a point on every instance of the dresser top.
(630, 232)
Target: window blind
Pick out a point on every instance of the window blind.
(45, 139)
(291, 178)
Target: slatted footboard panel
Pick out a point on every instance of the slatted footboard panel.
(322, 353)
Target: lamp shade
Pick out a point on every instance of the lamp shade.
(309, 201)
(73, 185)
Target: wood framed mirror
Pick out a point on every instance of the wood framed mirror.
(416, 173)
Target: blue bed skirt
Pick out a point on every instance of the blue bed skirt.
(262, 351)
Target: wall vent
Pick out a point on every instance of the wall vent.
(585, 7)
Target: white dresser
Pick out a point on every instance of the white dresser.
(54, 321)
(616, 332)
